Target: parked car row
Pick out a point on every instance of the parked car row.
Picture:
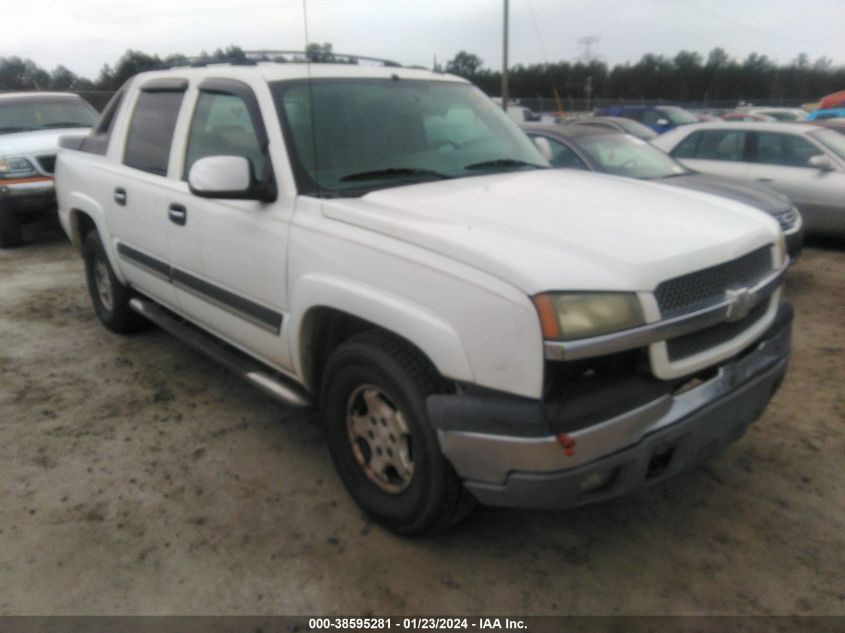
(591, 148)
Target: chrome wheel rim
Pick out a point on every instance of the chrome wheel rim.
(102, 283)
(380, 438)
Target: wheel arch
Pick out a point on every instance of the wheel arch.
(334, 309)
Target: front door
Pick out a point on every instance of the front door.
(229, 257)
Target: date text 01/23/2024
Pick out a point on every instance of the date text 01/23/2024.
(415, 624)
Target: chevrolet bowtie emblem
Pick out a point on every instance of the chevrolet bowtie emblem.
(740, 301)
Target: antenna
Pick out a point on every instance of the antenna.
(310, 95)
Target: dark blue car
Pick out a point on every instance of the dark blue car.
(658, 118)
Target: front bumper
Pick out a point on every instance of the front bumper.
(794, 243)
(30, 198)
(619, 455)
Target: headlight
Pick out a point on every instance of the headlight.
(16, 168)
(567, 316)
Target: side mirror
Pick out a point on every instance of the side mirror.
(544, 146)
(662, 122)
(821, 162)
(229, 178)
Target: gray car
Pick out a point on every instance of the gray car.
(618, 124)
(594, 149)
(804, 162)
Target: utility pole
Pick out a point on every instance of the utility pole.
(505, 59)
(588, 42)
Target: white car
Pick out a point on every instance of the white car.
(804, 162)
(781, 114)
(30, 126)
(385, 244)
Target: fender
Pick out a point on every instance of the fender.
(78, 203)
(419, 325)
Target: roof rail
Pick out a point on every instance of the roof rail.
(250, 58)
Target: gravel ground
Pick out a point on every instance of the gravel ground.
(136, 477)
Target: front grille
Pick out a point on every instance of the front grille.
(706, 287)
(786, 218)
(48, 163)
(708, 338)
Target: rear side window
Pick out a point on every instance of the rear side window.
(151, 131)
(726, 145)
(222, 126)
(97, 142)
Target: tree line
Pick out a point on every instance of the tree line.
(686, 77)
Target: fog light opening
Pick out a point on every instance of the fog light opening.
(659, 462)
(598, 480)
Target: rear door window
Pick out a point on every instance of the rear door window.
(151, 131)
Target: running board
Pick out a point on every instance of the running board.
(270, 382)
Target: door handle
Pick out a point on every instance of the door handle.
(120, 196)
(764, 179)
(178, 214)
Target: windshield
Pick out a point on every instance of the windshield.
(834, 141)
(350, 136)
(21, 115)
(678, 116)
(625, 155)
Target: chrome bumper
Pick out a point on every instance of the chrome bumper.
(489, 460)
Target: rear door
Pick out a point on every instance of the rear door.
(139, 223)
(780, 161)
(723, 152)
(229, 256)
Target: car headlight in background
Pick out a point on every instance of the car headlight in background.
(16, 168)
(567, 316)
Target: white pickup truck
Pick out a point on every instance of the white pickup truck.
(386, 244)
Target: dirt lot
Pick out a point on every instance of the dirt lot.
(136, 477)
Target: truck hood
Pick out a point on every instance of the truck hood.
(35, 141)
(563, 230)
(748, 193)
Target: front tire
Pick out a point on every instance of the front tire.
(109, 296)
(10, 226)
(386, 453)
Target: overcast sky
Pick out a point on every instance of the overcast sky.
(85, 34)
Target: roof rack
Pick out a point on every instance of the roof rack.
(251, 58)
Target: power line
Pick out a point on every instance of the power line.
(753, 28)
(537, 30)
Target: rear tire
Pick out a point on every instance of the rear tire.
(386, 453)
(10, 226)
(109, 297)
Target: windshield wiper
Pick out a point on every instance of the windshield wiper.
(394, 172)
(65, 124)
(503, 162)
